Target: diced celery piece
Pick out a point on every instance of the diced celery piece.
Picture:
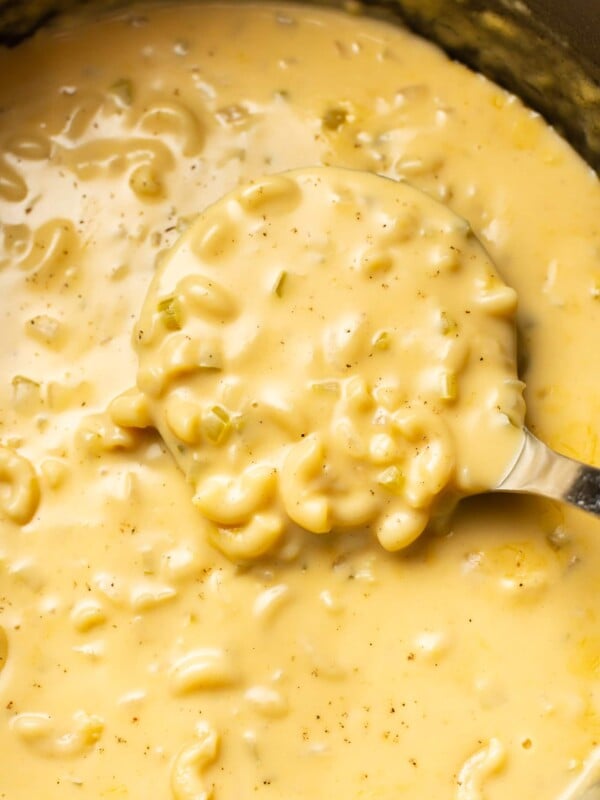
(216, 424)
(170, 313)
(392, 480)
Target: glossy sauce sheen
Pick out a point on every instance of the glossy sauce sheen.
(317, 349)
(137, 661)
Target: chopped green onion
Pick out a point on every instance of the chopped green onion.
(216, 424)
(170, 313)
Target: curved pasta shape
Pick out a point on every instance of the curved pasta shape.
(151, 380)
(202, 294)
(179, 355)
(148, 595)
(12, 185)
(269, 601)
(98, 434)
(147, 183)
(273, 193)
(355, 507)
(183, 419)
(428, 473)
(212, 239)
(29, 146)
(229, 500)
(54, 246)
(130, 410)
(40, 733)
(205, 668)
(114, 156)
(431, 467)
(87, 614)
(478, 768)
(304, 505)
(171, 117)
(253, 540)
(266, 701)
(187, 781)
(86, 106)
(401, 528)
(23, 497)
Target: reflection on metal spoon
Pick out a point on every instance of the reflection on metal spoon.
(587, 784)
(540, 470)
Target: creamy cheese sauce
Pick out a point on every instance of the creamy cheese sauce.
(135, 659)
(317, 350)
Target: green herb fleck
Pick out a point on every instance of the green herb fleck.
(170, 313)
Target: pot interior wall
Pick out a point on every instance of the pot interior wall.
(546, 51)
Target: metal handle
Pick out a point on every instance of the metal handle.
(539, 470)
(586, 785)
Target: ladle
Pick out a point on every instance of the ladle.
(540, 470)
(355, 235)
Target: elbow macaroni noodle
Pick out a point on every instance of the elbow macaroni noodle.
(203, 669)
(39, 732)
(187, 780)
(20, 500)
(478, 768)
(257, 317)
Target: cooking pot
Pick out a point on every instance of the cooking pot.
(546, 51)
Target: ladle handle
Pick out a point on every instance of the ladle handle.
(539, 470)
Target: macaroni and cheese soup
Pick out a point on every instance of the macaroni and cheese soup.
(243, 301)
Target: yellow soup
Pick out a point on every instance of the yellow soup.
(136, 659)
(341, 391)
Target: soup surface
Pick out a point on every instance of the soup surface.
(135, 659)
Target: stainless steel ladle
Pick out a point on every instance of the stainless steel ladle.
(540, 470)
